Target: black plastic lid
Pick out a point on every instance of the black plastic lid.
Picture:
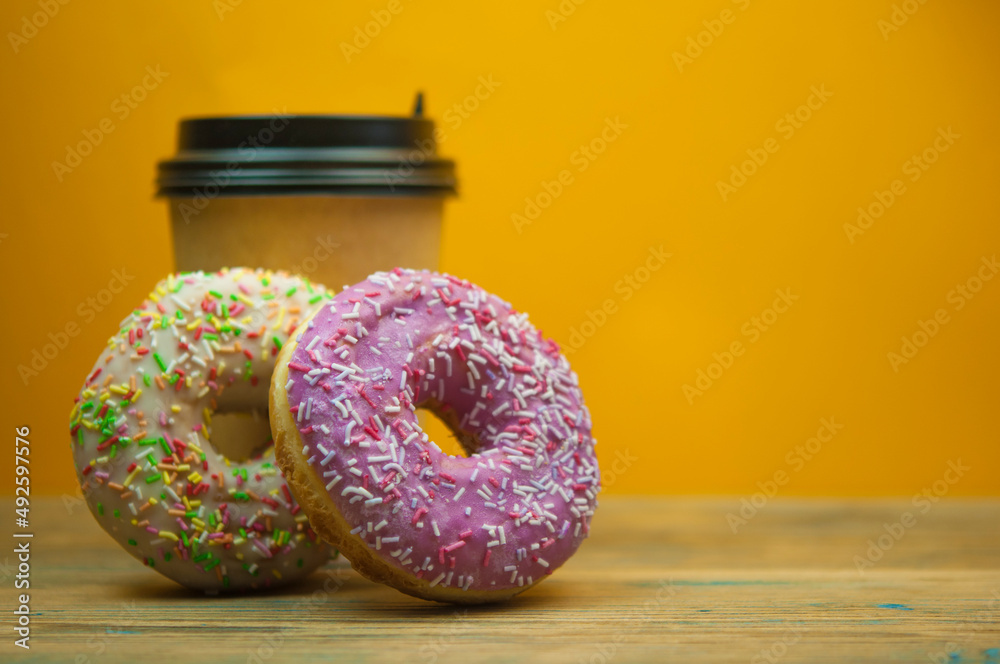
(275, 155)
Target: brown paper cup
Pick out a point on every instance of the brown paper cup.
(333, 198)
(333, 240)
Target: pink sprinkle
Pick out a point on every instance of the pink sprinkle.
(486, 558)
(489, 357)
(419, 513)
(263, 549)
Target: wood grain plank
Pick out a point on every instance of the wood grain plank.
(661, 579)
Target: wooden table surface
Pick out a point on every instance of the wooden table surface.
(660, 580)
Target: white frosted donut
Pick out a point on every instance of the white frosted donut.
(202, 504)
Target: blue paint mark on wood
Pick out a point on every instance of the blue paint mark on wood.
(898, 607)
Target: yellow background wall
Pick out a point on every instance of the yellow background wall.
(885, 95)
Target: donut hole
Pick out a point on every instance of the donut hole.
(445, 434)
(240, 435)
(240, 426)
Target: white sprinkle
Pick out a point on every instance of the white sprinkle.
(180, 303)
(145, 452)
(340, 407)
(356, 490)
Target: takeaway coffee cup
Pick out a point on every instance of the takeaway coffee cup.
(331, 197)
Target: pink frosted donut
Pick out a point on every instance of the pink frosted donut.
(470, 529)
